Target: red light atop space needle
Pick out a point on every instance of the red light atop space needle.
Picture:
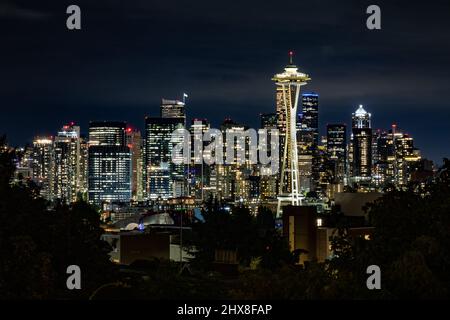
(291, 54)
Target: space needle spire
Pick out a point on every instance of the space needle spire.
(291, 57)
(288, 85)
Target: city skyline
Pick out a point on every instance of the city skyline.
(396, 72)
(210, 151)
(141, 128)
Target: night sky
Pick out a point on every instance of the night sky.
(130, 54)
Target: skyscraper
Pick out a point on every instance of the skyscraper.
(162, 175)
(84, 154)
(109, 163)
(361, 144)
(308, 140)
(337, 149)
(107, 133)
(232, 176)
(199, 172)
(42, 165)
(134, 142)
(67, 164)
(173, 109)
(308, 121)
(406, 156)
(269, 182)
(397, 157)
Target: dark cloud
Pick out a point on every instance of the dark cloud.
(10, 10)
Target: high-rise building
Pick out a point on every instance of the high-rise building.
(397, 157)
(107, 133)
(173, 109)
(42, 165)
(163, 177)
(337, 149)
(134, 142)
(308, 121)
(109, 163)
(84, 154)
(231, 177)
(305, 167)
(308, 139)
(268, 181)
(67, 164)
(199, 173)
(361, 145)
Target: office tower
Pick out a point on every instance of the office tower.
(231, 176)
(231, 128)
(288, 85)
(406, 156)
(305, 169)
(308, 139)
(107, 133)
(337, 150)
(134, 142)
(327, 184)
(199, 173)
(268, 182)
(67, 165)
(269, 121)
(173, 109)
(397, 157)
(42, 165)
(84, 154)
(109, 163)
(164, 179)
(361, 145)
(308, 121)
(380, 153)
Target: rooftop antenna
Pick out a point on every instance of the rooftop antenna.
(291, 55)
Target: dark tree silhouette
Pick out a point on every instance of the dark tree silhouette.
(411, 243)
(252, 237)
(38, 243)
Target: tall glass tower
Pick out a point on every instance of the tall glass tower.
(161, 174)
(67, 158)
(361, 145)
(109, 163)
(308, 120)
(337, 149)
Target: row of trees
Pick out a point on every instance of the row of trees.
(411, 244)
(255, 239)
(38, 243)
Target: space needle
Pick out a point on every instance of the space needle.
(288, 91)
